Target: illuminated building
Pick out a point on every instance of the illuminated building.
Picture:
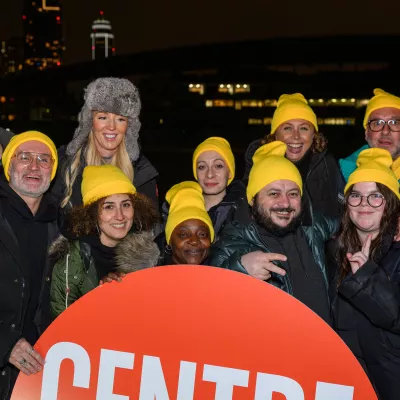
(11, 56)
(43, 42)
(102, 38)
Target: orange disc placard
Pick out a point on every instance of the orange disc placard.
(192, 333)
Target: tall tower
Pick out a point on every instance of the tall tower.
(102, 38)
(43, 42)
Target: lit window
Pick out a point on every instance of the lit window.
(209, 103)
(196, 88)
(255, 121)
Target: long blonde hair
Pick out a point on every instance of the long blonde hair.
(92, 157)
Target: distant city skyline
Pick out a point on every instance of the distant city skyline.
(144, 26)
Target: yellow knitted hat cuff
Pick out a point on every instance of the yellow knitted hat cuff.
(271, 169)
(29, 136)
(373, 175)
(284, 114)
(107, 189)
(184, 214)
(221, 148)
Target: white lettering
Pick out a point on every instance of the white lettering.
(331, 391)
(268, 384)
(51, 372)
(226, 379)
(109, 360)
(187, 377)
(152, 385)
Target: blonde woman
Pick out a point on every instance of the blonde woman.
(108, 133)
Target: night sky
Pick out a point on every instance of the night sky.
(154, 24)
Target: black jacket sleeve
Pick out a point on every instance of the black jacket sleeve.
(372, 292)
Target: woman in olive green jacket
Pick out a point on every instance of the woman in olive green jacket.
(112, 231)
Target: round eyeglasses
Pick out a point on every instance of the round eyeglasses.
(375, 200)
(25, 158)
(376, 125)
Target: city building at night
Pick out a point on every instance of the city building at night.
(43, 40)
(102, 38)
(11, 56)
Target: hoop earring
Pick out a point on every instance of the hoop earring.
(168, 249)
(98, 230)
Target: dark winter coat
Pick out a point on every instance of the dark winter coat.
(239, 239)
(366, 311)
(15, 291)
(144, 179)
(323, 184)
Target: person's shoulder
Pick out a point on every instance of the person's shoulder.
(252, 148)
(144, 169)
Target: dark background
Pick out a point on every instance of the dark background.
(143, 25)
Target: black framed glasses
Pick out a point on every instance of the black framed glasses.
(25, 158)
(375, 200)
(376, 125)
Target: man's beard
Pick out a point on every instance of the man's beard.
(264, 220)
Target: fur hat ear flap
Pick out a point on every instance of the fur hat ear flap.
(113, 95)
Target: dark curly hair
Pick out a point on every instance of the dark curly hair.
(348, 240)
(319, 144)
(83, 220)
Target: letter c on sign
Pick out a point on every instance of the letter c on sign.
(51, 371)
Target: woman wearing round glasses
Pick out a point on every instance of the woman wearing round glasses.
(366, 298)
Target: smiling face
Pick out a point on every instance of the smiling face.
(115, 219)
(30, 180)
(108, 131)
(366, 219)
(212, 173)
(384, 139)
(277, 206)
(190, 242)
(298, 135)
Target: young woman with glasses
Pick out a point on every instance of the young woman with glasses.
(365, 291)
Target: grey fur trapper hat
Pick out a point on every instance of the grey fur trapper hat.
(114, 95)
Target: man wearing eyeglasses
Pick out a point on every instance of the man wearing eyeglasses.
(28, 224)
(382, 130)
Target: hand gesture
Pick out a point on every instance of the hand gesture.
(26, 358)
(259, 264)
(357, 260)
(112, 276)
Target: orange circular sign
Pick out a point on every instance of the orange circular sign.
(192, 333)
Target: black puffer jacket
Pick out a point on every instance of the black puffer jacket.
(323, 183)
(144, 179)
(366, 311)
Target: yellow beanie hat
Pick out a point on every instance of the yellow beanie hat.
(381, 99)
(222, 147)
(186, 202)
(100, 181)
(396, 167)
(374, 165)
(292, 106)
(28, 136)
(270, 165)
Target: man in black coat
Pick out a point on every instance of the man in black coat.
(28, 223)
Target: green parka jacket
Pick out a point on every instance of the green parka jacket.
(75, 273)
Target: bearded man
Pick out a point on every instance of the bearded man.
(278, 246)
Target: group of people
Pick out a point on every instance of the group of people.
(326, 232)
